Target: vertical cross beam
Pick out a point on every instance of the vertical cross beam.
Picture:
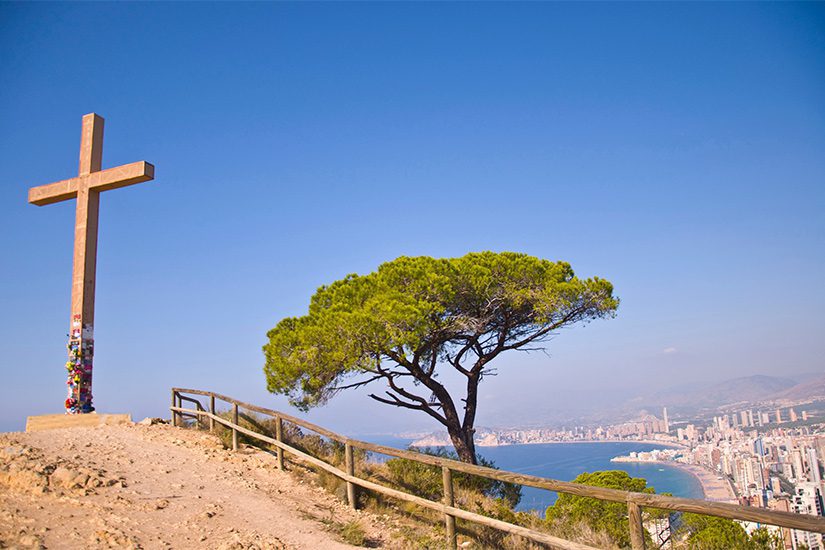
(86, 188)
(81, 340)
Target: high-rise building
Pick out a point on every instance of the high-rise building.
(813, 466)
(759, 448)
(807, 500)
(783, 505)
(798, 467)
(776, 487)
(716, 458)
(778, 416)
(793, 415)
(667, 424)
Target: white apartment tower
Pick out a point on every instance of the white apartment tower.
(807, 500)
(813, 465)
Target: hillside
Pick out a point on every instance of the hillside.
(808, 389)
(712, 395)
(158, 487)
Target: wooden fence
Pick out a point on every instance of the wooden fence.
(635, 501)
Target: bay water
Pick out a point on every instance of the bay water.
(565, 461)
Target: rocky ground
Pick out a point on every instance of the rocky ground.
(155, 486)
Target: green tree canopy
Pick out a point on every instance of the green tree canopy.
(601, 515)
(697, 532)
(416, 315)
(712, 533)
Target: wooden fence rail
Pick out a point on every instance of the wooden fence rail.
(635, 501)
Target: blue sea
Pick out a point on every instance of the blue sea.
(565, 461)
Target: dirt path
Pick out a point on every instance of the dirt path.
(158, 487)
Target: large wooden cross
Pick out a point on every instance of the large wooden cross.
(86, 188)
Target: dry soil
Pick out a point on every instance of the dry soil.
(155, 486)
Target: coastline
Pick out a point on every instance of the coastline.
(668, 444)
(715, 487)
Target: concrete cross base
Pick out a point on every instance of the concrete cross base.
(56, 421)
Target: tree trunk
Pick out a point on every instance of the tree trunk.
(464, 445)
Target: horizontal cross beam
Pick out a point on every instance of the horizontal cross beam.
(113, 178)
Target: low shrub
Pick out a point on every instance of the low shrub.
(425, 480)
(352, 533)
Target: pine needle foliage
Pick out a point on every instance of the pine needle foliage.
(415, 316)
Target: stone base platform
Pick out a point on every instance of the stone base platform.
(56, 421)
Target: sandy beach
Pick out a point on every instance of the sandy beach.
(715, 486)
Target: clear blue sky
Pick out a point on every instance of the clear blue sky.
(675, 149)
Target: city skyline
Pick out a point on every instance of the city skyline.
(750, 456)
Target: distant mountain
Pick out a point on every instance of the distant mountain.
(810, 388)
(711, 395)
(806, 376)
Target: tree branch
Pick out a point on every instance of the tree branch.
(543, 332)
(357, 384)
(395, 401)
(456, 361)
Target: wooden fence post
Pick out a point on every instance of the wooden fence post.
(235, 422)
(637, 530)
(350, 465)
(174, 404)
(449, 500)
(199, 419)
(211, 410)
(279, 436)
